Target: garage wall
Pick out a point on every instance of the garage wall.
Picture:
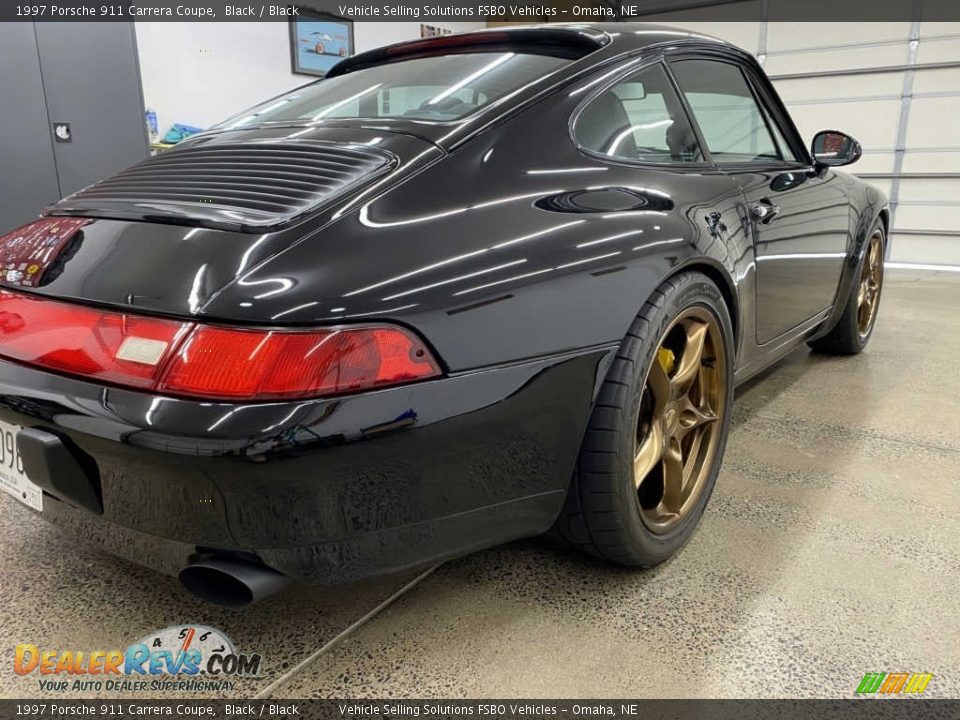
(895, 86)
(45, 71)
(201, 73)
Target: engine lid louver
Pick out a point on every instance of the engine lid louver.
(251, 185)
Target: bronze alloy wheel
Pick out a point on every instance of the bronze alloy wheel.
(680, 420)
(871, 281)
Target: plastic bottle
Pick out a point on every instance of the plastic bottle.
(153, 128)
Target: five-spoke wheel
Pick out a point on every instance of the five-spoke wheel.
(683, 401)
(653, 447)
(871, 280)
(852, 330)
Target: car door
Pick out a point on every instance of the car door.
(799, 216)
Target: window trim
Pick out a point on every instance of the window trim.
(777, 113)
(769, 112)
(632, 66)
(779, 139)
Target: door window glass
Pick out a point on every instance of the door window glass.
(732, 124)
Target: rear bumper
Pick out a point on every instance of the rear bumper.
(325, 491)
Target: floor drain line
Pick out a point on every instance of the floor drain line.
(343, 634)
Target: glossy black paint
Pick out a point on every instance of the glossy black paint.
(323, 490)
(518, 257)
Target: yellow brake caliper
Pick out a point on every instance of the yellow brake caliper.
(667, 359)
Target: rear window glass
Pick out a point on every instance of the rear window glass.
(439, 88)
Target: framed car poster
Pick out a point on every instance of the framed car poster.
(429, 31)
(318, 41)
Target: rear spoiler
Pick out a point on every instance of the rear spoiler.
(569, 42)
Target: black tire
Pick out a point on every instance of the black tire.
(601, 515)
(846, 337)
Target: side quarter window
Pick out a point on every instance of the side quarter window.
(735, 128)
(641, 119)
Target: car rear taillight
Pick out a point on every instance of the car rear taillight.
(112, 347)
(253, 365)
(205, 361)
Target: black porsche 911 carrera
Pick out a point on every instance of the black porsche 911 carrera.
(461, 291)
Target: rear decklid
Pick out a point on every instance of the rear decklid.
(252, 180)
(165, 235)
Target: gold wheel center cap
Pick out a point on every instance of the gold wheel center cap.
(671, 419)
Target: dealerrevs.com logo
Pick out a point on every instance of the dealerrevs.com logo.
(180, 658)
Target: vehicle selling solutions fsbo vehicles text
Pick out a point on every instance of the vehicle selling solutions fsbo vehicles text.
(416, 11)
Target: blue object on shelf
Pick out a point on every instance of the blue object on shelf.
(178, 132)
(152, 128)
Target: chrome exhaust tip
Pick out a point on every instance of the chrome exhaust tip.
(231, 583)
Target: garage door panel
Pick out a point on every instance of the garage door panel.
(934, 249)
(937, 81)
(821, 60)
(873, 163)
(942, 50)
(869, 107)
(744, 35)
(932, 190)
(933, 122)
(927, 217)
(841, 88)
(940, 162)
(873, 123)
(802, 35)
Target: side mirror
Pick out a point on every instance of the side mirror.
(834, 148)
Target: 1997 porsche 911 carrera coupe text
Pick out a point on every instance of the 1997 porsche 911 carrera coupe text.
(463, 290)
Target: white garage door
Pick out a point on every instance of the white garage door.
(895, 86)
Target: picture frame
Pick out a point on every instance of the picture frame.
(318, 41)
(429, 31)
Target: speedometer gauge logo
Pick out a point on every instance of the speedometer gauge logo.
(179, 638)
(192, 649)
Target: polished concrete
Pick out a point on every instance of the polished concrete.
(831, 547)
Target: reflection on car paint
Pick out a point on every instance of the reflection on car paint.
(36, 254)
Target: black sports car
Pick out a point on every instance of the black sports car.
(463, 290)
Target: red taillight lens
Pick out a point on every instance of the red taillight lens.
(247, 365)
(84, 341)
(203, 361)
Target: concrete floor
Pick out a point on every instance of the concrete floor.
(831, 548)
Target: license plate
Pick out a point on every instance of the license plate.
(13, 479)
